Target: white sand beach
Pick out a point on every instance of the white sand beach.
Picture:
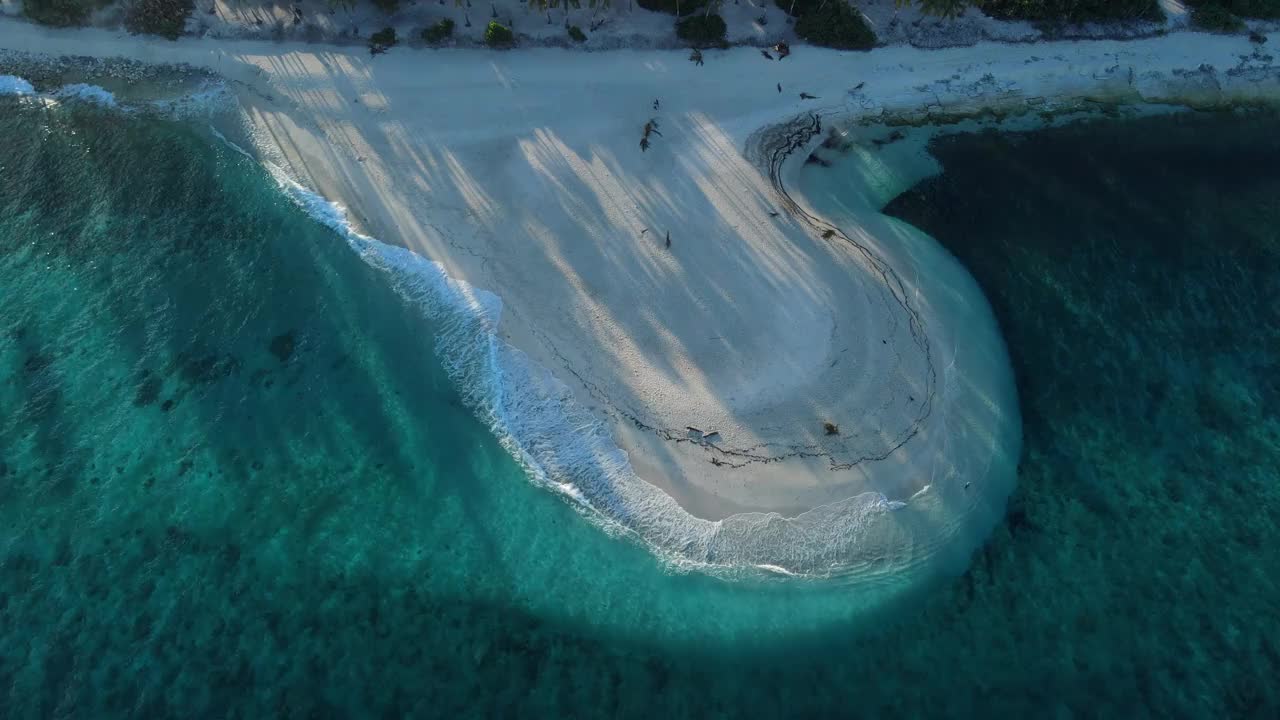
(521, 173)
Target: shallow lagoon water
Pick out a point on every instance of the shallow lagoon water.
(231, 448)
(238, 482)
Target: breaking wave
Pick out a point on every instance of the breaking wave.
(14, 85)
(87, 93)
(209, 97)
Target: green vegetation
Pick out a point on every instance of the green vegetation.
(439, 32)
(1072, 10)
(702, 30)
(387, 6)
(1244, 8)
(1216, 18)
(382, 41)
(498, 35)
(1239, 8)
(1211, 14)
(940, 8)
(576, 34)
(59, 13)
(166, 18)
(671, 7)
(830, 23)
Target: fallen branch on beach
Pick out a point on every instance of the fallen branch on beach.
(650, 128)
(382, 41)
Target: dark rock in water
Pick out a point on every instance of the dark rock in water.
(813, 159)
(178, 538)
(36, 363)
(282, 346)
(198, 371)
(230, 365)
(894, 137)
(167, 405)
(148, 390)
(1018, 520)
(1222, 407)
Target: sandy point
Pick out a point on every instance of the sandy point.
(748, 355)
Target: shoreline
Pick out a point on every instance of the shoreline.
(543, 198)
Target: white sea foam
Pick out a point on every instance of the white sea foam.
(564, 448)
(87, 93)
(208, 98)
(211, 96)
(14, 85)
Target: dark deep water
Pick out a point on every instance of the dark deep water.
(1134, 268)
(235, 481)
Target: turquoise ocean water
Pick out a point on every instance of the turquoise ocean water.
(236, 481)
